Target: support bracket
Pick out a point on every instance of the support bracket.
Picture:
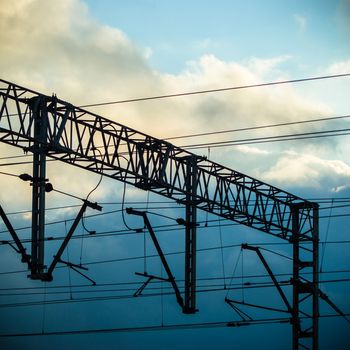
(171, 278)
(20, 249)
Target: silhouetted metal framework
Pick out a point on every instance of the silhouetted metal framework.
(50, 127)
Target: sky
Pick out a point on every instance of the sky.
(89, 51)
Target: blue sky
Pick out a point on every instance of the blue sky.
(89, 51)
(313, 32)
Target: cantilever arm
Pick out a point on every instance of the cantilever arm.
(48, 275)
(269, 271)
(159, 251)
(331, 304)
(25, 257)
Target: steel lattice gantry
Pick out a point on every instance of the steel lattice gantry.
(50, 127)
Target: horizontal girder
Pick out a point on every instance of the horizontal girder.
(89, 141)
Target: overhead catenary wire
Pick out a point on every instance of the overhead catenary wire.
(258, 127)
(153, 328)
(207, 91)
(232, 143)
(229, 143)
(270, 139)
(131, 286)
(160, 228)
(170, 207)
(199, 250)
(201, 279)
(205, 289)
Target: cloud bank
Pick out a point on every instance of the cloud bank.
(57, 46)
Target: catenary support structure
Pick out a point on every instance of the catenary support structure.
(51, 128)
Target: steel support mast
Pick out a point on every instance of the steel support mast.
(38, 107)
(305, 279)
(190, 237)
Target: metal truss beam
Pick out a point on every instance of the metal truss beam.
(74, 135)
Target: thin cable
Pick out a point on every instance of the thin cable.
(202, 325)
(215, 90)
(43, 311)
(266, 138)
(222, 254)
(276, 253)
(161, 215)
(326, 238)
(86, 199)
(224, 132)
(242, 274)
(234, 271)
(69, 272)
(123, 216)
(267, 126)
(161, 294)
(8, 174)
(144, 241)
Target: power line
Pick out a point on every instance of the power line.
(244, 286)
(258, 127)
(215, 90)
(277, 138)
(131, 258)
(269, 139)
(319, 200)
(201, 325)
(102, 288)
(110, 284)
(160, 228)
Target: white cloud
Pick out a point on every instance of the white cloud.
(262, 67)
(252, 150)
(301, 22)
(84, 62)
(340, 67)
(307, 170)
(341, 188)
(204, 43)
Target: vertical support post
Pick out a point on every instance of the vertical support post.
(190, 237)
(305, 312)
(315, 275)
(295, 310)
(40, 120)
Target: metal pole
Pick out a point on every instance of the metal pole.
(38, 106)
(315, 306)
(190, 238)
(295, 310)
(305, 290)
